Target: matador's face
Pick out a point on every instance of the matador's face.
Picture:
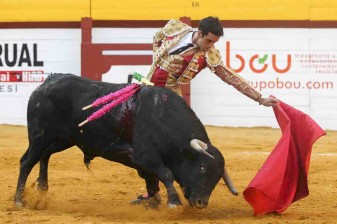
(207, 41)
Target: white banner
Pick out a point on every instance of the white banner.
(27, 56)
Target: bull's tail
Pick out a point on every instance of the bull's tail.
(87, 159)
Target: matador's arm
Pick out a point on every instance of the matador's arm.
(230, 77)
(157, 41)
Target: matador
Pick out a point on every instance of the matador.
(180, 53)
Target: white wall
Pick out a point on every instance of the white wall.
(214, 102)
(58, 49)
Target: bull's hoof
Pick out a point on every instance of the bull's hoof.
(139, 200)
(173, 201)
(18, 201)
(18, 205)
(172, 205)
(42, 187)
(154, 202)
(147, 202)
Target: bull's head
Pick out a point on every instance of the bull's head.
(201, 171)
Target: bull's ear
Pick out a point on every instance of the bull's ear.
(189, 154)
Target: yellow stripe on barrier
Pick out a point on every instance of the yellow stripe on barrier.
(74, 10)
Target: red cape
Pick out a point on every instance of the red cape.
(283, 178)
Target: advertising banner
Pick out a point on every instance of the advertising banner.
(27, 57)
(296, 65)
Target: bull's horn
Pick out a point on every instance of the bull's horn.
(200, 147)
(229, 183)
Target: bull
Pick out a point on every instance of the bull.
(154, 132)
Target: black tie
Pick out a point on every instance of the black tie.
(179, 50)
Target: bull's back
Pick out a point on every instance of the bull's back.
(67, 89)
(62, 96)
(63, 86)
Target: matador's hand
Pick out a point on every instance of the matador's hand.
(269, 101)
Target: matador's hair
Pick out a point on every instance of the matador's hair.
(211, 24)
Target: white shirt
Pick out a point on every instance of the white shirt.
(185, 40)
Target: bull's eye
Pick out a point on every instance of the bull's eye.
(202, 169)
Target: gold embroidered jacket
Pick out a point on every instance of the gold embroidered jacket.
(181, 69)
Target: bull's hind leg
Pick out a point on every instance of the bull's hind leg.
(55, 147)
(27, 162)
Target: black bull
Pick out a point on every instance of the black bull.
(154, 131)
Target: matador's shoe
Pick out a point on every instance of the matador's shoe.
(151, 202)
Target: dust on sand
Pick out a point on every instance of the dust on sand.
(78, 196)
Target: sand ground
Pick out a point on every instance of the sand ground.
(78, 196)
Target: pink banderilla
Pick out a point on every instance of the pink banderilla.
(117, 98)
(111, 96)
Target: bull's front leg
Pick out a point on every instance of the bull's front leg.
(152, 163)
(167, 178)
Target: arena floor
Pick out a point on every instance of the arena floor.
(78, 196)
